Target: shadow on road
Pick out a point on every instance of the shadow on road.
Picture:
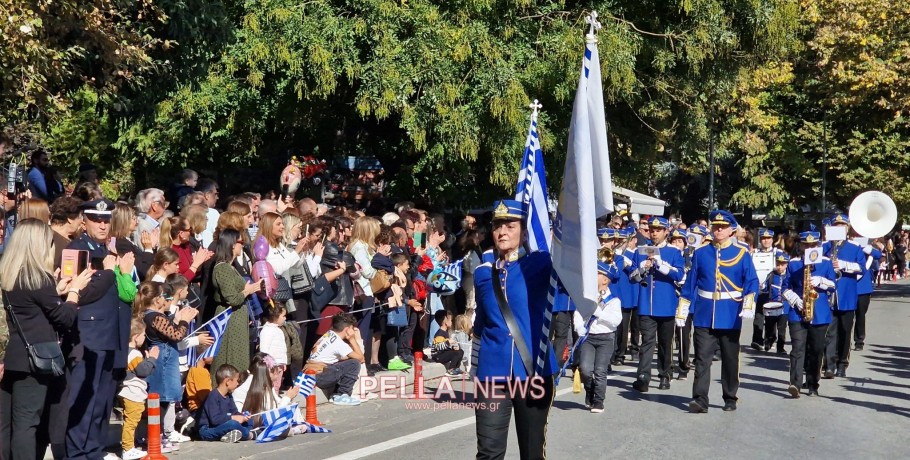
(680, 402)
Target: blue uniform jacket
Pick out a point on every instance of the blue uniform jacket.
(773, 290)
(561, 300)
(657, 292)
(866, 284)
(104, 320)
(824, 269)
(624, 288)
(525, 284)
(717, 292)
(847, 282)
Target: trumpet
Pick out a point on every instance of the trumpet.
(605, 255)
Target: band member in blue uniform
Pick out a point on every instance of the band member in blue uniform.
(102, 342)
(765, 246)
(864, 294)
(599, 334)
(849, 263)
(772, 303)
(720, 290)
(680, 239)
(511, 308)
(627, 292)
(807, 334)
(657, 276)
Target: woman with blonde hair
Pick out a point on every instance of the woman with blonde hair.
(180, 237)
(35, 313)
(124, 222)
(35, 208)
(196, 216)
(363, 246)
(280, 257)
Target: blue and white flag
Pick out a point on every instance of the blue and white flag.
(306, 382)
(215, 327)
(310, 428)
(532, 189)
(276, 423)
(587, 189)
(455, 268)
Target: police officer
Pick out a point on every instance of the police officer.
(102, 343)
(720, 290)
(511, 295)
(657, 276)
(849, 263)
(765, 246)
(807, 335)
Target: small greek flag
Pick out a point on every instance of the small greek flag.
(306, 382)
(276, 423)
(215, 327)
(310, 428)
(531, 190)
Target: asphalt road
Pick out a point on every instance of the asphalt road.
(865, 415)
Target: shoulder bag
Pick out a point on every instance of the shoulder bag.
(509, 318)
(45, 358)
(380, 282)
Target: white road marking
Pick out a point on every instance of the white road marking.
(414, 437)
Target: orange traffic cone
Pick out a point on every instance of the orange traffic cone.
(311, 404)
(418, 374)
(154, 428)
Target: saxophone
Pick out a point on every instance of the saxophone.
(809, 294)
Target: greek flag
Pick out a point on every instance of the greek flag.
(306, 382)
(276, 422)
(215, 328)
(310, 428)
(587, 189)
(532, 189)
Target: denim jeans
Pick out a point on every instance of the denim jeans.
(214, 433)
(596, 353)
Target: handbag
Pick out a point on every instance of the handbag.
(44, 358)
(398, 317)
(380, 282)
(300, 277)
(284, 292)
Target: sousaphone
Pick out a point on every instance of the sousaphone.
(873, 214)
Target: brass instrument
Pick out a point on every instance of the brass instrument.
(605, 255)
(809, 294)
(835, 248)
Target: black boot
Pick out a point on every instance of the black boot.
(664, 384)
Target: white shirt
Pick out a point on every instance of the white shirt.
(208, 235)
(330, 348)
(281, 259)
(271, 341)
(608, 316)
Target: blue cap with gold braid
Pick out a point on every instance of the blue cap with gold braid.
(722, 217)
(659, 222)
(766, 233)
(610, 271)
(782, 257)
(677, 233)
(840, 219)
(507, 210)
(809, 237)
(603, 233)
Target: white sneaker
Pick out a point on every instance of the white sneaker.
(232, 436)
(176, 437)
(345, 400)
(111, 456)
(134, 454)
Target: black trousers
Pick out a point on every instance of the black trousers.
(561, 327)
(859, 330)
(91, 397)
(808, 345)
(656, 330)
(23, 421)
(684, 344)
(837, 339)
(622, 335)
(635, 329)
(449, 358)
(706, 341)
(758, 328)
(494, 415)
(776, 331)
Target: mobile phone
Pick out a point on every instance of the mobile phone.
(420, 240)
(112, 245)
(73, 262)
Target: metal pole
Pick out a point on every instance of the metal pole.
(824, 167)
(711, 171)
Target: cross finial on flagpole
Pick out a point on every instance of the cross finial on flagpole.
(535, 107)
(591, 19)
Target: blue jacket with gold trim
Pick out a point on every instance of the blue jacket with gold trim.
(852, 264)
(525, 282)
(823, 269)
(721, 283)
(657, 289)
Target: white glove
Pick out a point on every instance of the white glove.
(664, 268)
(868, 249)
(817, 281)
(641, 265)
(791, 297)
(682, 313)
(657, 260)
(680, 322)
(747, 314)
